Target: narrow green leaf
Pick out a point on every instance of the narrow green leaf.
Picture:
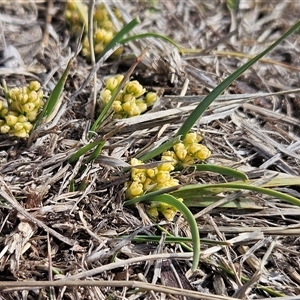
(85, 149)
(119, 36)
(162, 148)
(187, 190)
(168, 199)
(200, 109)
(221, 170)
(55, 95)
(147, 35)
(93, 156)
(149, 196)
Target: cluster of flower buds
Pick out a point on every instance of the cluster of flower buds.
(188, 151)
(152, 179)
(104, 29)
(145, 180)
(20, 110)
(132, 99)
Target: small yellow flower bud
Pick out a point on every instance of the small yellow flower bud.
(117, 106)
(166, 167)
(148, 185)
(31, 115)
(22, 98)
(34, 85)
(162, 176)
(27, 126)
(135, 162)
(18, 126)
(24, 90)
(11, 120)
(180, 150)
(4, 129)
(32, 96)
(151, 98)
(28, 107)
(98, 48)
(129, 98)
(190, 138)
(193, 148)
(141, 105)
(99, 35)
(21, 133)
(151, 172)
(134, 88)
(105, 95)
(22, 118)
(111, 83)
(119, 78)
(170, 156)
(188, 160)
(3, 112)
(100, 14)
(152, 212)
(108, 37)
(135, 189)
(203, 154)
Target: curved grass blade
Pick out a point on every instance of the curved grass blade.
(171, 200)
(149, 196)
(200, 109)
(205, 189)
(221, 170)
(162, 148)
(149, 34)
(85, 149)
(55, 95)
(119, 36)
(82, 9)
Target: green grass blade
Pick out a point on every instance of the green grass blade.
(170, 200)
(191, 190)
(147, 35)
(221, 170)
(149, 196)
(119, 36)
(200, 109)
(162, 148)
(85, 149)
(55, 95)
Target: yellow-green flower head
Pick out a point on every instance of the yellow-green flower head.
(192, 137)
(100, 13)
(203, 153)
(151, 98)
(141, 105)
(112, 83)
(99, 35)
(129, 98)
(4, 129)
(180, 150)
(168, 167)
(170, 156)
(11, 120)
(135, 189)
(134, 88)
(117, 106)
(105, 95)
(34, 85)
(162, 177)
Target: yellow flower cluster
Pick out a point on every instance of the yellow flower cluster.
(147, 180)
(131, 101)
(104, 30)
(19, 112)
(188, 151)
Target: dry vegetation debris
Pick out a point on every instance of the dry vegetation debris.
(49, 233)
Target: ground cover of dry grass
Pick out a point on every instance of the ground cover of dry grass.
(57, 244)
